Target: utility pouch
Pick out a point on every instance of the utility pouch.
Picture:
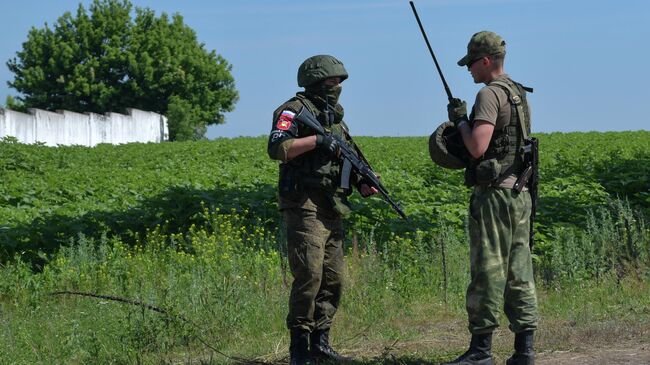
(289, 186)
(487, 171)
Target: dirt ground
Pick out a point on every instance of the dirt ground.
(617, 355)
(634, 355)
(609, 343)
(558, 343)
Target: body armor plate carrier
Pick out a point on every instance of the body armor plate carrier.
(504, 156)
(314, 169)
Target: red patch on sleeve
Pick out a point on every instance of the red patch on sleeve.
(284, 122)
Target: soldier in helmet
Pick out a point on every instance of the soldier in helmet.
(499, 214)
(313, 204)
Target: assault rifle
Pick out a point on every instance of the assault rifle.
(530, 178)
(352, 162)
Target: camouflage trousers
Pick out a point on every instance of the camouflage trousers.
(500, 261)
(315, 250)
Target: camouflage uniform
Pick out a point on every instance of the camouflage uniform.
(501, 267)
(499, 219)
(499, 215)
(312, 205)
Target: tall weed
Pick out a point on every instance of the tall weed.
(615, 241)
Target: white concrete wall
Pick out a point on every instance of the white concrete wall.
(70, 128)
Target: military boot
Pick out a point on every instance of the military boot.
(299, 348)
(524, 353)
(479, 352)
(321, 349)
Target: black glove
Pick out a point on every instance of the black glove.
(457, 111)
(328, 144)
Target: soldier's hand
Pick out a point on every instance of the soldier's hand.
(328, 144)
(367, 191)
(457, 111)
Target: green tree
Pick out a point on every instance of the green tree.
(13, 104)
(106, 59)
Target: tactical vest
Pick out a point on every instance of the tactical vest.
(313, 169)
(504, 155)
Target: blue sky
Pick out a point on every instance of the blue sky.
(587, 60)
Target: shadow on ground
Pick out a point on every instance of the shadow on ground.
(382, 360)
(393, 360)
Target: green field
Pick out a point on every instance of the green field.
(193, 228)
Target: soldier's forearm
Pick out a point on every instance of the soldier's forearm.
(300, 146)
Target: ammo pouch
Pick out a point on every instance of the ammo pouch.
(485, 173)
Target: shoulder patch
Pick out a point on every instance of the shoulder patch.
(285, 120)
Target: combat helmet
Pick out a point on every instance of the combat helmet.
(320, 67)
(446, 147)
